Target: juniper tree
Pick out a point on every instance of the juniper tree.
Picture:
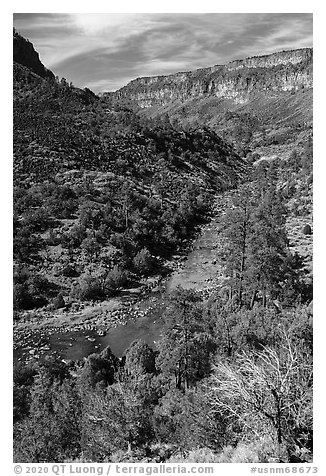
(51, 431)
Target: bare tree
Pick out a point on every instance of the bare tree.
(267, 392)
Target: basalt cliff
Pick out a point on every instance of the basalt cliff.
(239, 80)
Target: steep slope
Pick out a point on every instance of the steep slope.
(238, 81)
(102, 196)
(24, 54)
(255, 102)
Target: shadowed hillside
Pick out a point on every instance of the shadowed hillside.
(25, 55)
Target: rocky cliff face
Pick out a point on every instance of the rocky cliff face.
(25, 55)
(238, 80)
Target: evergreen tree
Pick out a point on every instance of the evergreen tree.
(236, 232)
(187, 343)
(51, 432)
(139, 358)
(99, 369)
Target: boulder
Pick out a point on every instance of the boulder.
(59, 302)
(306, 230)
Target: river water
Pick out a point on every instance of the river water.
(198, 271)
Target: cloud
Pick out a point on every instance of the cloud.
(105, 51)
(97, 23)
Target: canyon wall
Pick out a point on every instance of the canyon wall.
(238, 80)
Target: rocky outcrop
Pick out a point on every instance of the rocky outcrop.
(25, 55)
(238, 80)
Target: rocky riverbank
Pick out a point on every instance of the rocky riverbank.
(90, 322)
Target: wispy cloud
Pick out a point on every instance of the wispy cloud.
(105, 51)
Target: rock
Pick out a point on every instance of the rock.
(306, 230)
(45, 347)
(25, 55)
(59, 302)
(223, 82)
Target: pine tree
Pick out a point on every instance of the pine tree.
(268, 247)
(187, 341)
(254, 243)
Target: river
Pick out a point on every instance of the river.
(199, 271)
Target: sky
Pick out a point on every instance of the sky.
(104, 51)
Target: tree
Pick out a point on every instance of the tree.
(115, 279)
(143, 261)
(117, 419)
(91, 246)
(51, 432)
(255, 245)
(184, 420)
(140, 358)
(236, 231)
(267, 391)
(89, 287)
(23, 380)
(90, 215)
(99, 369)
(187, 342)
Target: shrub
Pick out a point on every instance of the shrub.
(89, 287)
(143, 261)
(90, 246)
(69, 271)
(22, 299)
(115, 279)
(261, 451)
(29, 290)
(201, 455)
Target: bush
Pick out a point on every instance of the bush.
(90, 246)
(143, 261)
(69, 271)
(202, 455)
(261, 451)
(29, 290)
(115, 279)
(89, 287)
(22, 299)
